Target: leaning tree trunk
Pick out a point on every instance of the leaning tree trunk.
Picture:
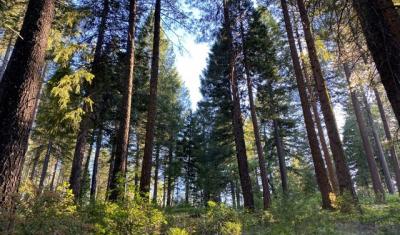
(380, 22)
(145, 178)
(373, 169)
(241, 154)
(319, 166)
(122, 137)
(93, 187)
(6, 56)
(45, 165)
(18, 93)
(378, 145)
(76, 170)
(342, 170)
(393, 154)
(256, 130)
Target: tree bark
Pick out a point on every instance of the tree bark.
(319, 166)
(156, 169)
(121, 148)
(281, 157)
(35, 163)
(111, 168)
(45, 165)
(233, 195)
(18, 93)
(76, 170)
(145, 178)
(378, 144)
(380, 22)
(241, 154)
(93, 188)
(342, 170)
(392, 148)
(169, 177)
(373, 169)
(53, 177)
(6, 56)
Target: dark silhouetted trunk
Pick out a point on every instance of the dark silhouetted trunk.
(281, 157)
(93, 188)
(393, 154)
(156, 169)
(378, 145)
(169, 177)
(256, 130)
(319, 166)
(35, 163)
(241, 154)
(233, 194)
(145, 178)
(18, 93)
(342, 170)
(45, 165)
(111, 167)
(380, 22)
(76, 170)
(373, 169)
(122, 138)
(237, 194)
(53, 177)
(6, 56)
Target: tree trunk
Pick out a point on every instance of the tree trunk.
(281, 157)
(376, 180)
(313, 96)
(319, 166)
(241, 154)
(18, 93)
(187, 181)
(156, 168)
(121, 149)
(233, 195)
(53, 177)
(380, 22)
(76, 170)
(110, 169)
(93, 188)
(35, 163)
(6, 56)
(45, 165)
(237, 194)
(86, 168)
(169, 177)
(145, 178)
(342, 170)
(392, 148)
(378, 144)
(256, 129)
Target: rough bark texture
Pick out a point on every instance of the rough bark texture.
(76, 170)
(378, 145)
(319, 166)
(241, 155)
(256, 130)
(381, 25)
(145, 178)
(122, 137)
(342, 170)
(6, 56)
(373, 169)
(93, 187)
(18, 93)
(392, 149)
(45, 165)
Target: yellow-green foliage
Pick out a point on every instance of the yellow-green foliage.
(177, 231)
(230, 228)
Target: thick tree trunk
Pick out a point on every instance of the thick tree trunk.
(373, 169)
(392, 148)
(380, 22)
(6, 56)
(76, 170)
(145, 178)
(53, 177)
(121, 149)
(318, 122)
(342, 170)
(281, 157)
(93, 187)
(156, 169)
(378, 145)
(319, 166)
(241, 154)
(86, 168)
(45, 165)
(35, 163)
(18, 93)
(256, 130)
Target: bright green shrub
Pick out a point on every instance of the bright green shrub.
(216, 217)
(230, 228)
(177, 231)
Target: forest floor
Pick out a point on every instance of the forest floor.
(289, 217)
